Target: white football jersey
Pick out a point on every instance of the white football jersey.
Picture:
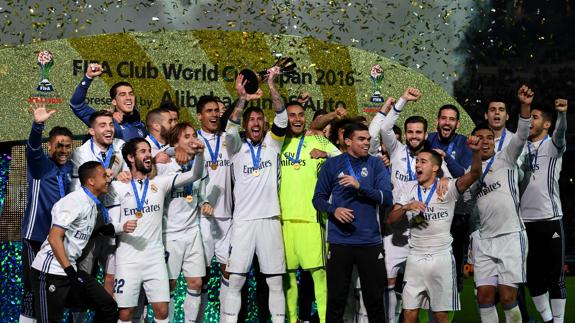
(91, 152)
(146, 241)
(497, 197)
(76, 213)
(156, 146)
(219, 187)
(182, 205)
(436, 237)
(256, 197)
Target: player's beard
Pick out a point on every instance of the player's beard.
(141, 167)
(164, 133)
(416, 149)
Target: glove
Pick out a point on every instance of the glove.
(418, 222)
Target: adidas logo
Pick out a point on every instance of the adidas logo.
(380, 256)
(555, 235)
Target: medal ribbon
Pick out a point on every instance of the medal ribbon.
(109, 154)
(156, 143)
(408, 158)
(420, 197)
(98, 203)
(533, 161)
(61, 185)
(186, 168)
(349, 168)
(450, 148)
(486, 170)
(255, 157)
(501, 140)
(213, 155)
(140, 202)
(296, 160)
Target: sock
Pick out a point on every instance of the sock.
(224, 287)
(192, 304)
(488, 313)
(542, 305)
(203, 303)
(171, 307)
(26, 319)
(558, 309)
(391, 303)
(320, 291)
(233, 300)
(276, 299)
(166, 320)
(512, 313)
(361, 311)
(292, 296)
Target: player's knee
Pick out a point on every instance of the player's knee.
(410, 316)
(485, 297)
(160, 310)
(126, 314)
(275, 283)
(194, 283)
(173, 284)
(237, 281)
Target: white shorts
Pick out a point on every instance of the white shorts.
(186, 255)
(431, 279)
(111, 264)
(395, 256)
(503, 257)
(129, 279)
(216, 238)
(262, 237)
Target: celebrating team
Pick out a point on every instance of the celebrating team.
(356, 211)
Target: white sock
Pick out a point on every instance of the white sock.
(204, 303)
(224, 287)
(26, 319)
(543, 307)
(391, 303)
(558, 309)
(192, 305)
(166, 320)
(171, 307)
(512, 313)
(488, 314)
(277, 302)
(233, 301)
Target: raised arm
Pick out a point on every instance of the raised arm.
(277, 100)
(515, 147)
(465, 181)
(195, 173)
(322, 121)
(561, 124)
(77, 102)
(375, 126)
(35, 156)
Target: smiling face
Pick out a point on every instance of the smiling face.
(415, 135)
(539, 126)
(60, 149)
(142, 158)
(425, 167)
(487, 141)
(102, 131)
(358, 143)
(254, 126)
(496, 115)
(296, 120)
(187, 137)
(447, 123)
(124, 101)
(100, 181)
(210, 117)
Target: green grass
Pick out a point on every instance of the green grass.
(469, 312)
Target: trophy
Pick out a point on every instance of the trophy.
(376, 75)
(45, 62)
(287, 67)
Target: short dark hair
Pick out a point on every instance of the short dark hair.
(481, 126)
(116, 86)
(87, 170)
(397, 130)
(176, 132)
(416, 119)
(129, 149)
(546, 113)
(170, 106)
(294, 103)
(154, 115)
(448, 107)
(359, 119)
(203, 100)
(435, 156)
(353, 127)
(60, 131)
(318, 113)
(98, 114)
(496, 99)
(249, 111)
(335, 126)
